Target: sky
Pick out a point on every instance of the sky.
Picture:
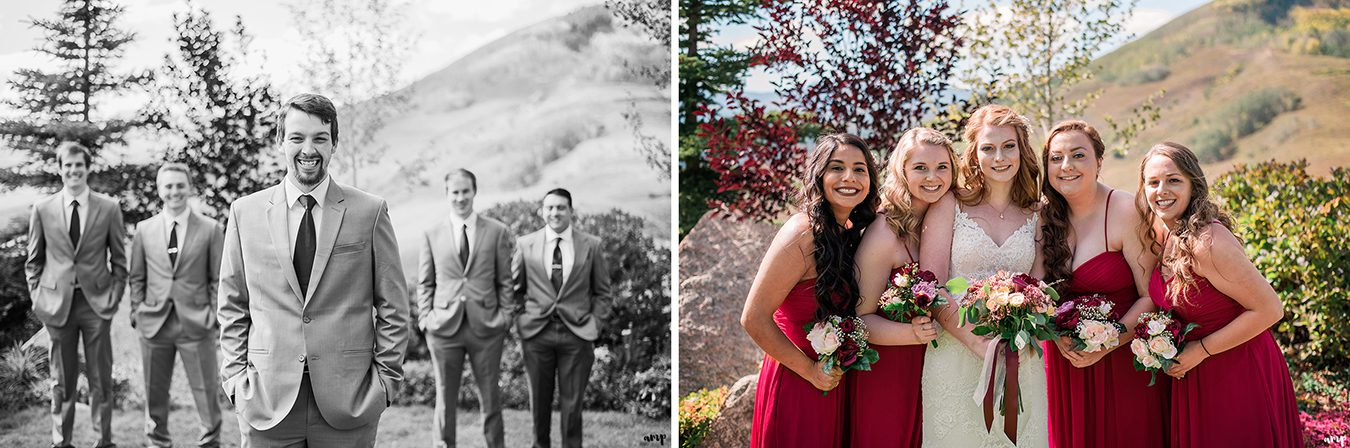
(1147, 15)
(448, 29)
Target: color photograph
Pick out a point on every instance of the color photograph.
(1009, 223)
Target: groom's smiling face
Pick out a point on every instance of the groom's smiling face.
(308, 146)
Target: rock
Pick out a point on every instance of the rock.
(718, 260)
(731, 428)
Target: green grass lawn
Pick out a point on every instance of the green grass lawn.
(401, 426)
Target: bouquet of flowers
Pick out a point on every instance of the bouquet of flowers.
(1016, 308)
(841, 342)
(913, 292)
(1089, 322)
(1157, 341)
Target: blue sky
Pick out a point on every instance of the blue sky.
(1147, 15)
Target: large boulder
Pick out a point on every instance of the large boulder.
(718, 260)
(731, 428)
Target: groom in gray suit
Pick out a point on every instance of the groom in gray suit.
(465, 283)
(76, 271)
(561, 276)
(313, 302)
(175, 268)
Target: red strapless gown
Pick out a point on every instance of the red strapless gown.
(1107, 404)
(885, 408)
(789, 411)
(1241, 397)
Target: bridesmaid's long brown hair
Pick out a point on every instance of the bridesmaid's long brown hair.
(836, 281)
(1055, 210)
(1199, 212)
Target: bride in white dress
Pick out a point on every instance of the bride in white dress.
(990, 226)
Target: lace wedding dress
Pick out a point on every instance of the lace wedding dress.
(951, 417)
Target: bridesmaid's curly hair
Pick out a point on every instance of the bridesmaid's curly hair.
(895, 196)
(836, 281)
(1199, 212)
(1055, 210)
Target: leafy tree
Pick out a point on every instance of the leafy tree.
(874, 69)
(1029, 54)
(653, 18)
(212, 119)
(707, 71)
(354, 52)
(757, 156)
(60, 103)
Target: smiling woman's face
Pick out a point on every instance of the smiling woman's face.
(998, 153)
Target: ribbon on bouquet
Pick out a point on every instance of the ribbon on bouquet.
(998, 383)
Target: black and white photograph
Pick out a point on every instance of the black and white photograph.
(335, 223)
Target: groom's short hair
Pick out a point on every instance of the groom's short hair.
(314, 104)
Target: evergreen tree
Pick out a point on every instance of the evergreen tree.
(60, 103)
(214, 120)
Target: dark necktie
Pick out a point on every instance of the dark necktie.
(304, 245)
(75, 223)
(557, 275)
(173, 244)
(464, 246)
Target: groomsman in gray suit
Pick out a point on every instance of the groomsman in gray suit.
(465, 279)
(76, 272)
(175, 268)
(561, 276)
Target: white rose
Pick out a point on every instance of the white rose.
(996, 300)
(1163, 347)
(1155, 327)
(823, 339)
(1139, 348)
(1098, 335)
(1017, 299)
(1150, 362)
(900, 280)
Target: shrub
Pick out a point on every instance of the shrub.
(1145, 75)
(697, 412)
(15, 324)
(1240, 118)
(1328, 428)
(22, 371)
(1296, 229)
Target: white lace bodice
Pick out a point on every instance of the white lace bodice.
(975, 256)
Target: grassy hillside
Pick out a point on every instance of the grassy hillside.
(1246, 80)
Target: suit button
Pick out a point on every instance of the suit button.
(463, 299)
(302, 358)
(306, 319)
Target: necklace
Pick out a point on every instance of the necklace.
(1000, 212)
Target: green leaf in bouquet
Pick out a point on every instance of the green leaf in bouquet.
(1189, 327)
(957, 285)
(1022, 339)
(829, 364)
(981, 331)
(871, 356)
(1052, 294)
(1078, 344)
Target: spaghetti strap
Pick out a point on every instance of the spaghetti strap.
(1106, 221)
(911, 254)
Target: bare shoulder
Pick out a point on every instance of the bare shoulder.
(796, 233)
(880, 233)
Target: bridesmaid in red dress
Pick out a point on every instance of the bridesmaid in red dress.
(1232, 386)
(1091, 243)
(807, 274)
(885, 408)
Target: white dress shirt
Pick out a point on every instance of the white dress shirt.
(295, 211)
(456, 224)
(550, 240)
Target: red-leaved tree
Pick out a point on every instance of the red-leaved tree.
(756, 156)
(870, 68)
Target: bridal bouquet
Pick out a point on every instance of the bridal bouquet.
(1157, 341)
(912, 292)
(1016, 308)
(1089, 322)
(841, 342)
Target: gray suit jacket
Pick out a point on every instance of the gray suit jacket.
(449, 295)
(55, 263)
(190, 284)
(584, 302)
(270, 329)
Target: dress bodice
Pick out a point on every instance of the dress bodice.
(975, 256)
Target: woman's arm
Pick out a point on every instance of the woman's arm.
(785, 263)
(1219, 258)
(879, 252)
(935, 254)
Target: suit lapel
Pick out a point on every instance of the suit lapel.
(156, 249)
(187, 242)
(56, 215)
(281, 241)
(332, 221)
(479, 239)
(581, 249)
(87, 222)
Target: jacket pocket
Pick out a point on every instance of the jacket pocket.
(349, 248)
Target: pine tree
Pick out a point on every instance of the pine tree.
(60, 103)
(212, 119)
